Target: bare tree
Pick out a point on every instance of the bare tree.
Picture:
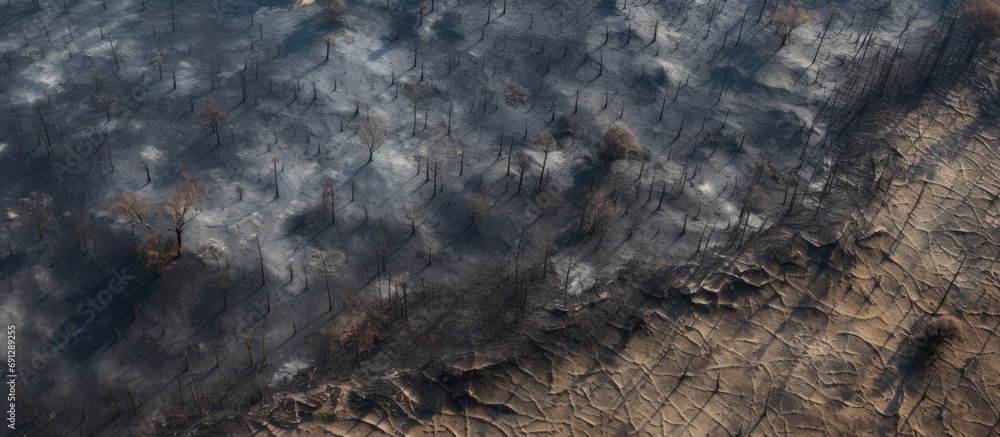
(105, 100)
(324, 263)
(788, 17)
(372, 133)
(223, 278)
(213, 253)
(327, 203)
(17, 132)
(476, 209)
(565, 128)
(546, 142)
(274, 161)
(416, 92)
(412, 216)
(34, 211)
(186, 202)
(213, 115)
(178, 210)
(328, 40)
(45, 129)
(150, 156)
(157, 61)
(523, 161)
(548, 249)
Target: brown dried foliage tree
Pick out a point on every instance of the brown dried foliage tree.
(516, 95)
(373, 329)
(617, 143)
(186, 202)
(981, 17)
(598, 212)
(564, 129)
(157, 252)
(178, 210)
(788, 17)
(939, 331)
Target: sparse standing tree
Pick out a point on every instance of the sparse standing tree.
(476, 208)
(173, 17)
(332, 9)
(213, 115)
(435, 179)
(412, 216)
(98, 82)
(328, 40)
(415, 91)
(186, 202)
(105, 101)
(260, 257)
(323, 262)
(157, 60)
(548, 249)
(223, 279)
(34, 211)
(523, 161)
(327, 202)
(157, 251)
(114, 52)
(598, 212)
(546, 142)
(45, 130)
(382, 253)
(150, 157)
(17, 132)
(111, 395)
(372, 133)
(787, 18)
(274, 161)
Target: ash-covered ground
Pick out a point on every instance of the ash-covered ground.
(499, 217)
